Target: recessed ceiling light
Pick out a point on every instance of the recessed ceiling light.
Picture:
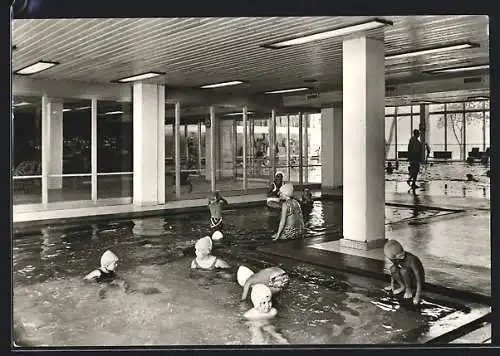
(420, 52)
(223, 84)
(286, 90)
(140, 77)
(339, 31)
(36, 67)
(458, 69)
(23, 103)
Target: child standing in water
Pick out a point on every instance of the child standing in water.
(204, 260)
(215, 205)
(406, 270)
(106, 274)
(292, 222)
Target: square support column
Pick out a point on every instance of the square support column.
(424, 126)
(331, 148)
(55, 112)
(364, 144)
(149, 144)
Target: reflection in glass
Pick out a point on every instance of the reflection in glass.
(71, 188)
(27, 150)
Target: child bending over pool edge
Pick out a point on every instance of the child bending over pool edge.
(204, 260)
(406, 270)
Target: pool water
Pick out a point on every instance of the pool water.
(177, 306)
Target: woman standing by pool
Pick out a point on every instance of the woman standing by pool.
(292, 222)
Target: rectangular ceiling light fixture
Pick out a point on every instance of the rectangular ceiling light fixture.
(336, 32)
(424, 102)
(36, 67)
(286, 90)
(223, 84)
(458, 69)
(452, 47)
(66, 110)
(239, 113)
(481, 97)
(140, 77)
(22, 103)
(113, 112)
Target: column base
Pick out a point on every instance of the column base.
(362, 245)
(144, 204)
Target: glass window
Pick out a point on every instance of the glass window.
(474, 131)
(114, 149)
(404, 133)
(404, 110)
(389, 110)
(69, 175)
(416, 109)
(415, 122)
(27, 150)
(314, 149)
(487, 104)
(436, 133)
(390, 137)
(486, 130)
(474, 105)
(455, 135)
(436, 107)
(454, 106)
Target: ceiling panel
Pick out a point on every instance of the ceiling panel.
(197, 51)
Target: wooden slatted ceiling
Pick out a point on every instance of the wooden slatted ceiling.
(197, 51)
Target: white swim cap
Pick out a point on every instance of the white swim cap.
(260, 293)
(204, 243)
(287, 189)
(279, 173)
(107, 258)
(217, 235)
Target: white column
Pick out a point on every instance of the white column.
(272, 144)
(177, 149)
(212, 149)
(245, 117)
(149, 146)
(55, 113)
(93, 149)
(363, 138)
(45, 148)
(331, 148)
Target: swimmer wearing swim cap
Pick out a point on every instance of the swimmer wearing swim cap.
(204, 260)
(407, 272)
(262, 304)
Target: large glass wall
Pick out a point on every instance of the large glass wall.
(456, 128)
(27, 150)
(115, 154)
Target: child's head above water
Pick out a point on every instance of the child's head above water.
(203, 246)
(393, 250)
(109, 260)
(261, 298)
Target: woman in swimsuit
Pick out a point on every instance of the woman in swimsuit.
(292, 222)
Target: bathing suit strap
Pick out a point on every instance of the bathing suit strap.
(214, 222)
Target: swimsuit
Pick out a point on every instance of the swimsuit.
(105, 277)
(295, 230)
(212, 266)
(215, 222)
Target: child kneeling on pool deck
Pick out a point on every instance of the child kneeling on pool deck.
(406, 270)
(204, 260)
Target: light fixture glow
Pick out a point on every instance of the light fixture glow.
(340, 31)
(424, 102)
(286, 91)
(140, 77)
(36, 67)
(223, 84)
(420, 52)
(22, 103)
(458, 69)
(114, 112)
(66, 110)
(83, 108)
(239, 113)
(481, 97)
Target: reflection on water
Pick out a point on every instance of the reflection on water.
(175, 305)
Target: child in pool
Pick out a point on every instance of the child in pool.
(262, 304)
(106, 273)
(406, 270)
(292, 222)
(260, 315)
(215, 205)
(306, 201)
(204, 260)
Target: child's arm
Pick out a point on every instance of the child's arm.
(221, 263)
(193, 264)
(224, 201)
(92, 275)
(246, 288)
